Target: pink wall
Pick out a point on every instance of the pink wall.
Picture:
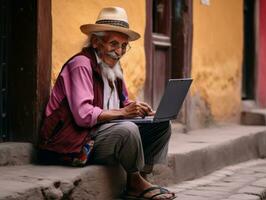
(261, 72)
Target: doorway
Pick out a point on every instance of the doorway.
(25, 58)
(168, 45)
(4, 33)
(18, 60)
(248, 69)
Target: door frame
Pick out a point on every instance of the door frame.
(44, 60)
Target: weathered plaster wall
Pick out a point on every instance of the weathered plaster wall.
(216, 61)
(68, 15)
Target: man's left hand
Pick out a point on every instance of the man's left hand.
(146, 108)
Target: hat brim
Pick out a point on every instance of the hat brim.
(89, 28)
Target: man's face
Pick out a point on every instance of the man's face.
(111, 47)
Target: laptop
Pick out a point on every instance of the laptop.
(170, 103)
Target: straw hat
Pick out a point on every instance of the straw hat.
(111, 19)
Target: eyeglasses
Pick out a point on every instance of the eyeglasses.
(116, 45)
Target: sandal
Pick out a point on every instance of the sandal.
(143, 196)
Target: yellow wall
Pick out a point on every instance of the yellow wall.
(217, 59)
(68, 15)
(216, 54)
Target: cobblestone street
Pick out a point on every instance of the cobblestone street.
(245, 181)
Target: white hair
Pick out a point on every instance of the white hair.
(99, 34)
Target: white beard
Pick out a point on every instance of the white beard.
(111, 73)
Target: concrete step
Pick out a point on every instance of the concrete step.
(33, 182)
(248, 104)
(253, 116)
(191, 155)
(200, 152)
(14, 153)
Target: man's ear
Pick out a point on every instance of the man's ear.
(94, 42)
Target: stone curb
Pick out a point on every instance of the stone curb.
(211, 156)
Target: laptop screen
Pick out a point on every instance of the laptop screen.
(173, 98)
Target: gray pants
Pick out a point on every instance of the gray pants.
(131, 145)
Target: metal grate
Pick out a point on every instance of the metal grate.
(3, 69)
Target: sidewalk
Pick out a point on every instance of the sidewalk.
(245, 181)
(191, 155)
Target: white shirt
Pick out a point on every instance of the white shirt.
(110, 96)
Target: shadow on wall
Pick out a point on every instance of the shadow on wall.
(199, 113)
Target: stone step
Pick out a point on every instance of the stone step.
(191, 155)
(15, 153)
(253, 116)
(200, 152)
(32, 182)
(18, 153)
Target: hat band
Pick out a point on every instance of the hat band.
(113, 22)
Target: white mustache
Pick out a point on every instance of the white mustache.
(113, 55)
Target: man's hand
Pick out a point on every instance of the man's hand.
(146, 108)
(134, 109)
(137, 109)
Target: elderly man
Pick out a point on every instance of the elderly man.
(90, 92)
